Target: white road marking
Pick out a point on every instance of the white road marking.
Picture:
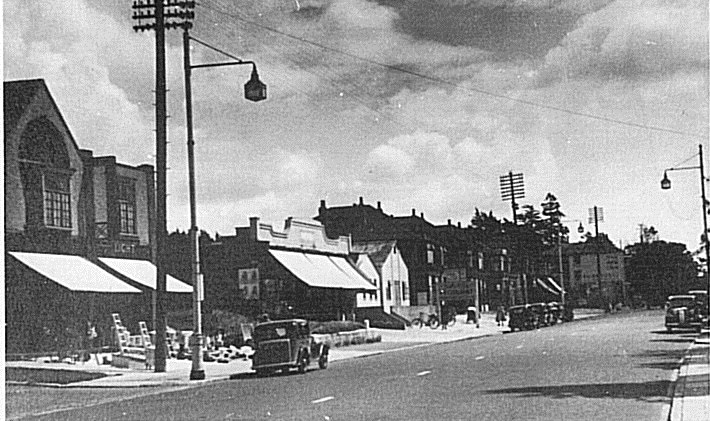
(518, 347)
(424, 373)
(480, 357)
(321, 400)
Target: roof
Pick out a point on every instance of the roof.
(593, 245)
(17, 95)
(145, 273)
(322, 271)
(378, 251)
(74, 273)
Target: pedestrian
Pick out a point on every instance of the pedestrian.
(500, 316)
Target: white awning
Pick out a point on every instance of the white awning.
(543, 284)
(554, 284)
(322, 271)
(73, 272)
(144, 272)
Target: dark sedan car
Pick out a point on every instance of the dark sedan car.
(683, 312)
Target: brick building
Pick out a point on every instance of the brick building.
(79, 229)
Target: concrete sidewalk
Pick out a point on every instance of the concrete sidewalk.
(691, 395)
(178, 371)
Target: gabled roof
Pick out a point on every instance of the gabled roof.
(376, 250)
(19, 94)
(593, 245)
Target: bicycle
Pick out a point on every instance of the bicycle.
(432, 321)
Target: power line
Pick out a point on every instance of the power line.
(455, 85)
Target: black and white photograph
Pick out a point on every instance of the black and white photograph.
(356, 210)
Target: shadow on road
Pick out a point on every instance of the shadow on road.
(675, 340)
(646, 391)
(662, 359)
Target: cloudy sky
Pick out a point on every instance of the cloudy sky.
(416, 104)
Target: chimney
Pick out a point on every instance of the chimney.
(361, 202)
(322, 204)
(253, 223)
(449, 222)
(379, 205)
(459, 224)
(422, 214)
(414, 212)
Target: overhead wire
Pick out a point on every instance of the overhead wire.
(454, 84)
(321, 73)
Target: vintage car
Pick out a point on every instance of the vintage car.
(683, 312)
(524, 317)
(554, 313)
(702, 301)
(539, 316)
(285, 344)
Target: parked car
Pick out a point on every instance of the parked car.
(702, 301)
(518, 317)
(539, 316)
(554, 313)
(683, 312)
(286, 344)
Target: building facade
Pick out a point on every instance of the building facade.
(298, 271)
(585, 262)
(79, 229)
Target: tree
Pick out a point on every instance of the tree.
(658, 269)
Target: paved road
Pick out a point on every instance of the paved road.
(616, 367)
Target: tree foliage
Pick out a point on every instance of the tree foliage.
(659, 269)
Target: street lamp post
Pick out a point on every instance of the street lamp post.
(580, 230)
(254, 90)
(666, 184)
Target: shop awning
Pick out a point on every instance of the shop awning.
(73, 272)
(144, 272)
(554, 285)
(544, 284)
(322, 271)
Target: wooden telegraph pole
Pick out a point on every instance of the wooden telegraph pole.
(156, 15)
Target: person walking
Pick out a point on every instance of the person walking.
(500, 316)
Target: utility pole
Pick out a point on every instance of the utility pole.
(512, 187)
(156, 15)
(596, 215)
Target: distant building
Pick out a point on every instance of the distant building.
(421, 247)
(79, 229)
(585, 261)
(392, 273)
(295, 272)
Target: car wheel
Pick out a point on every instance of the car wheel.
(323, 362)
(302, 363)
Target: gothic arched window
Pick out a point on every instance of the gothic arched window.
(46, 175)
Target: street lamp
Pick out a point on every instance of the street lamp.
(254, 90)
(666, 185)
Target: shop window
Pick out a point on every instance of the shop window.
(57, 199)
(127, 205)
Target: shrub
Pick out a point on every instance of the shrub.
(335, 327)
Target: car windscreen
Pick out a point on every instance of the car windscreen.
(266, 333)
(681, 302)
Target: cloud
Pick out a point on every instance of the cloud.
(633, 39)
(83, 68)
